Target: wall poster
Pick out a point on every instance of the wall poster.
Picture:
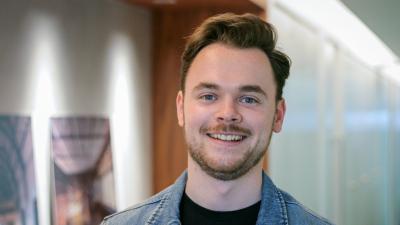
(83, 172)
(18, 201)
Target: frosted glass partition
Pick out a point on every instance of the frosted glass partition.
(364, 147)
(338, 149)
(394, 153)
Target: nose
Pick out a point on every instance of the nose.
(228, 112)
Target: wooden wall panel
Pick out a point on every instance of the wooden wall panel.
(169, 29)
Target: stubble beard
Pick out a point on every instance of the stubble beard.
(250, 158)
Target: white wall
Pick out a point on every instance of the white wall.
(69, 58)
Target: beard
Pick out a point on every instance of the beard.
(216, 168)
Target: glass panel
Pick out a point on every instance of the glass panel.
(339, 149)
(364, 145)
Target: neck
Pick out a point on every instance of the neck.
(219, 195)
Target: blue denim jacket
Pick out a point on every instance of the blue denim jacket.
(277, 207)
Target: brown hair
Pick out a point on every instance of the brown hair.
(242, 31)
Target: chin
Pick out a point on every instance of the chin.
(224, 160)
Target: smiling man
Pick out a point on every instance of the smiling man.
(229, 105)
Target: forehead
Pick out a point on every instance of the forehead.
(231, 67)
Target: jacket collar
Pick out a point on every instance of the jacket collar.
(167, 211)
(272, 210)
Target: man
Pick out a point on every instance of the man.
(229, 104)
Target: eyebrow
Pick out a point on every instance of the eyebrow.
(244, 88)
(204, 85)
(252, 88)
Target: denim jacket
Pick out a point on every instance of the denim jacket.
(277, 208)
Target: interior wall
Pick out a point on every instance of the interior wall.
(71, 58)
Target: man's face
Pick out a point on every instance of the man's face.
(228, 110)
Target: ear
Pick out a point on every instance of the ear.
(179, 108)
(279, 115)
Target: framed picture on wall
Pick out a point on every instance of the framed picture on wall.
(82, 170)
(18, 199)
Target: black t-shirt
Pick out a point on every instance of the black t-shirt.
(193, 214)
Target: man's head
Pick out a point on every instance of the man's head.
(241, 31)
(231, 94)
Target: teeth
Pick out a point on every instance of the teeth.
(227, 137)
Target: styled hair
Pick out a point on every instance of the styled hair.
(241, 31)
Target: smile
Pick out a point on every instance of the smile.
(227, 137)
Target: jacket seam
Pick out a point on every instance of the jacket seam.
(282, 207)
(151, 201)
(153, 216)
(132, 208)
(307, 210)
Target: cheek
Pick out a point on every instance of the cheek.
(195, 116)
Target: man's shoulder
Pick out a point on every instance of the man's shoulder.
(299, 214)
(139, 213)
(158, 209)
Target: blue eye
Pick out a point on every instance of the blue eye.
(248, 100)
(208, 97)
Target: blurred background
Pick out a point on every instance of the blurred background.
(119, 59)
